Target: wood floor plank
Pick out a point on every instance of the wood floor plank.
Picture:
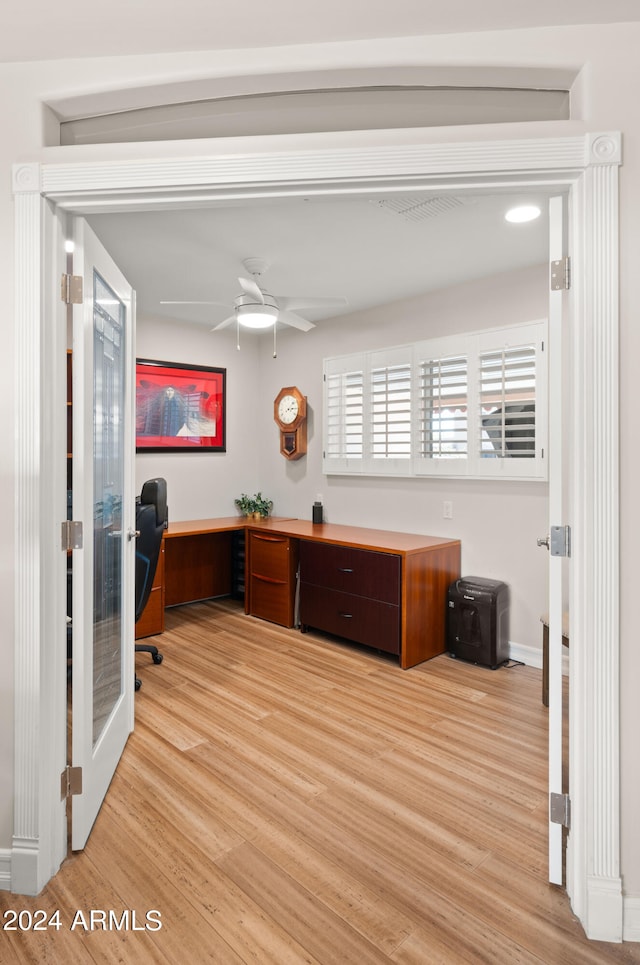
(287, 798)
(519, 785)
(206, 918)
(460, 940)
(327, 935)
(332, 883)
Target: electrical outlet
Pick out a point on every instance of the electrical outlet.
(447, 509)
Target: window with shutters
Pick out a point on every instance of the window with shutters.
(469, 405)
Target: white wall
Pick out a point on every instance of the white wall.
(203, 484)
(609, 88)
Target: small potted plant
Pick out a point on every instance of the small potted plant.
(257, 506)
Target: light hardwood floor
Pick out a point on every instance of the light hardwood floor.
(286, 799)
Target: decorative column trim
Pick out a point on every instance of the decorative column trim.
(40, 687)
(5, 869)
(596, 885)
(28, 534)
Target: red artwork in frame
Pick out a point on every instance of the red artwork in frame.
(180, 408)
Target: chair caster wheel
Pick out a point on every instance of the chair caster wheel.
(157, 657)
(138, 683)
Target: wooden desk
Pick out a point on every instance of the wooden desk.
(198, 566)
(197, 559)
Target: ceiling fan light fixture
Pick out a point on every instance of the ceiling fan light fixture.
(257, 316)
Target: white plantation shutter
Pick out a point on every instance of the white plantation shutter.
(389, 411)
(508, 402)
(390, 424)
(511, 428)
(344, 413)
(443, 412)
(472, 405)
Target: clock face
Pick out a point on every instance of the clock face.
(288, 409)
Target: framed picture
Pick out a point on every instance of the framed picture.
(180, 408)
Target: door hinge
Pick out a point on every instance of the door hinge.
(560, 809)
(71, 289)
(71, 535)
(561, 274)
(70, 782)
(560, 541)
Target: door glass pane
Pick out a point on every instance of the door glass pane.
(108, 478)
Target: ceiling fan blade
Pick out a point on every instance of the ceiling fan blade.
(300, 301)
(251, 288)
(295, 321)
(192, 303)
(223, 324)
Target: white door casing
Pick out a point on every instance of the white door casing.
(588, 166)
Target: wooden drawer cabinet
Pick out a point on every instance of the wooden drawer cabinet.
(363, 572)
(352, 593)
(152, 619)
(353, 617)
(273, 563)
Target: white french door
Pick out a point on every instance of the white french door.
(557, 517)
(103, 500)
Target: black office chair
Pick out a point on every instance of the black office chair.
(151, 521)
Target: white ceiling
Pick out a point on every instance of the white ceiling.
(41, 30)
(357, 247)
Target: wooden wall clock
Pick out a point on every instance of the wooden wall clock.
(290, 414)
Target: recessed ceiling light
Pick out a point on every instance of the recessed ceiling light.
(524, 212)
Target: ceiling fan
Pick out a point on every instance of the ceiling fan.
(257, 309)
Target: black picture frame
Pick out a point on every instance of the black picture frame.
(180, 408)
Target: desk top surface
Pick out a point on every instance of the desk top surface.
(358, 536)
(217, 524)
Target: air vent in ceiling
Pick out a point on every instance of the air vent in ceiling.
(415, 209)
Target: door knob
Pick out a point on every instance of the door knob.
(133, 533)
(543, 541)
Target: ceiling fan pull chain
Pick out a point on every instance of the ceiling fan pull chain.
(275, 351)
(238, 333)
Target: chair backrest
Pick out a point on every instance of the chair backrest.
(155, 491)
(151, 521)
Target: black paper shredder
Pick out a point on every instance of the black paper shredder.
(478, 621)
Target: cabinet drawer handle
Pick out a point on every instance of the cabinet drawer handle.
(347, 616)
(345, 569)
